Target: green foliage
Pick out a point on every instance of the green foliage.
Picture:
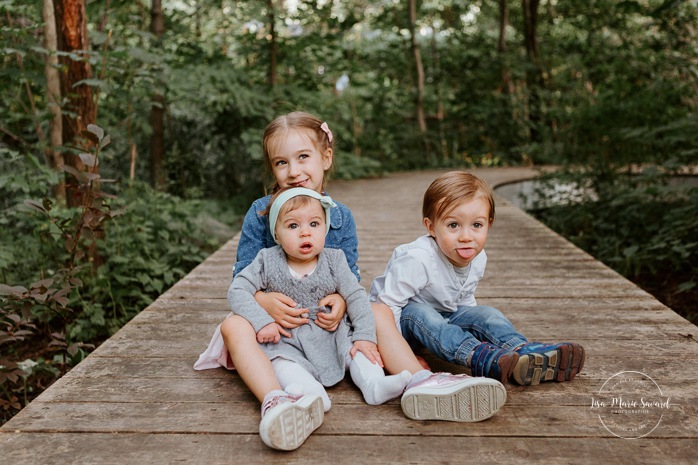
(21, 69)
(155, 242)
(45, 309)
(350, 166)
(217, 123)
(641, 225)
(89, 271)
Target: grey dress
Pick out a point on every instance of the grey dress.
(322, 353)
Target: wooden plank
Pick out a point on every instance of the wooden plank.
(113, 367)
(243, 417)
(538, 311)
(229, 388)
(523, 287)
(608, 339)
(323, 449)
(192, 339)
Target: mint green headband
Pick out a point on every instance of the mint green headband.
(286, 195)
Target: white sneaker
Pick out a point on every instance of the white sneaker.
(444, 396)
(288, 420)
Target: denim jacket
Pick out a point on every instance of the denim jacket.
(255, 235)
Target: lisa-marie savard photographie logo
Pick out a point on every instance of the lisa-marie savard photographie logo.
(630, 405)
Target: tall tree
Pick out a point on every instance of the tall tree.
(271, 16)
(506, 85)
(71, 22)
(53, 94)
(440, 115)
(419, 67)
(534, 73)
(157, 111)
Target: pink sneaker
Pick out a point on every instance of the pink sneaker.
(288, 420)
(444, 396)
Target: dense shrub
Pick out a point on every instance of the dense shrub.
(643, 226)
(57, 303)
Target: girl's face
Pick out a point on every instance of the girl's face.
(462, 233)
(296, 162)
(301, 233)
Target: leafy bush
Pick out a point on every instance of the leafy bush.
(642, 226)
(155, 242)
(90, 269)
(348, 166)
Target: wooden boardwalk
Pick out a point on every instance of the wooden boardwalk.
(136, 399)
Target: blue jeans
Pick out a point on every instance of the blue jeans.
(453, 336)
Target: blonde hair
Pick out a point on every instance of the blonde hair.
(452, 189)
(275, 133)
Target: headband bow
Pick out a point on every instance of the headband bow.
(287, 195)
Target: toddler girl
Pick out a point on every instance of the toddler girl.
(301, 268)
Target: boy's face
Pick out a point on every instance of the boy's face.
(462, 233)
(301, 233)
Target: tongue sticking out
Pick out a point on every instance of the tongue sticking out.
(466, 253)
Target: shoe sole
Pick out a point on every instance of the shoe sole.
(292, 424)
(471, 400)
(561, 364)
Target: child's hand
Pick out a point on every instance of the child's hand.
(282, 309)
(270, 333)
(369, 349)
(330, 321)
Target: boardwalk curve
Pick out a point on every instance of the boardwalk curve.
(136, 399)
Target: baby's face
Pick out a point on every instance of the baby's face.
(461, 234)
(301, 232)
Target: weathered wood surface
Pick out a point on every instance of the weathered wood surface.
(136, 399)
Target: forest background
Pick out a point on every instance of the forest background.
(130, 135)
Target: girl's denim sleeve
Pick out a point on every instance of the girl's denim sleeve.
(253, 235)
(350, 241)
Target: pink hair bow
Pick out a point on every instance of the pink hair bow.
(326, 128)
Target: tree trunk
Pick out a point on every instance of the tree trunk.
(71, 22)
(534, 75)
(272, 43)
(440, 114)
(157, 19)
(530, 11)
(103, 21)
(53, 97)
(157, 112)
(507, 86)
(419, 68)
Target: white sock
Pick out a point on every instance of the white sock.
(375, 386)
(421, 375)
(293, 377)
